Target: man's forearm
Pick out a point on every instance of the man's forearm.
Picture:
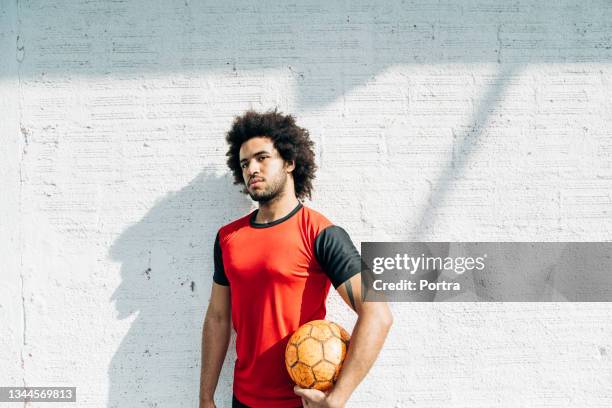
(215, 340)
(368, 337)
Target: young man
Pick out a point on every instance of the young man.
(273, 270)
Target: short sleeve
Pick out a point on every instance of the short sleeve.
(337, 255)
(219, 276)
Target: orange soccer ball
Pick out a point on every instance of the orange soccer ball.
(315, 353)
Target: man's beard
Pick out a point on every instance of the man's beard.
(275, 188)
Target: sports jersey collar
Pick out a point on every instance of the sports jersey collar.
(275, 222)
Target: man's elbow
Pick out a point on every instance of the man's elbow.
(378, 313)
(217, 317)
(386, 318)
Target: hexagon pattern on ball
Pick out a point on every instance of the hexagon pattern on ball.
(315, 353)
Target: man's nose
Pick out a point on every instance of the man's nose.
(252, 167)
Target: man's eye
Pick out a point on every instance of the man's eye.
(262, 157)
(243, 165)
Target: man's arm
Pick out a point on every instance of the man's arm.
(215, 340)
(373, 323)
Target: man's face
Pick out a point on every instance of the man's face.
(264, 171)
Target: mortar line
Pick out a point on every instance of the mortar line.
(19, 55)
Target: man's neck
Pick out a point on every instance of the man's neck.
(275, 209)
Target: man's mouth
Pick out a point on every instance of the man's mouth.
(254, 181)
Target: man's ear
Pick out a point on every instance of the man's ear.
(290, 166)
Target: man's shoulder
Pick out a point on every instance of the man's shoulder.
(235, 225)
(316, 221)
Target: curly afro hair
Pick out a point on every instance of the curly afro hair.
(292, 142)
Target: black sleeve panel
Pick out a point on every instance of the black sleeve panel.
(337, 255)
(219, 275)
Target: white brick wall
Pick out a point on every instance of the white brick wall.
(465, 120)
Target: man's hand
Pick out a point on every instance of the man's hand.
(316, 399)
(207, 404)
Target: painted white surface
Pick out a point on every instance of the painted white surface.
(469, 120)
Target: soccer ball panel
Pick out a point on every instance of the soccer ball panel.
(310, 351)
(302, 375)
(323, 385)
(335, 329)
(334, 350)
(321, 332)
(344, 335)
(301, 334)
(324, 371)
(291, 355)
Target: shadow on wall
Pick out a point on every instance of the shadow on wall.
(326, 48)
(166, 274)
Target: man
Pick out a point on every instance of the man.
(273, 271)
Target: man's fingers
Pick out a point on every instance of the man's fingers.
(309, 395)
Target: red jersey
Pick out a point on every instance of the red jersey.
(279, 274)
